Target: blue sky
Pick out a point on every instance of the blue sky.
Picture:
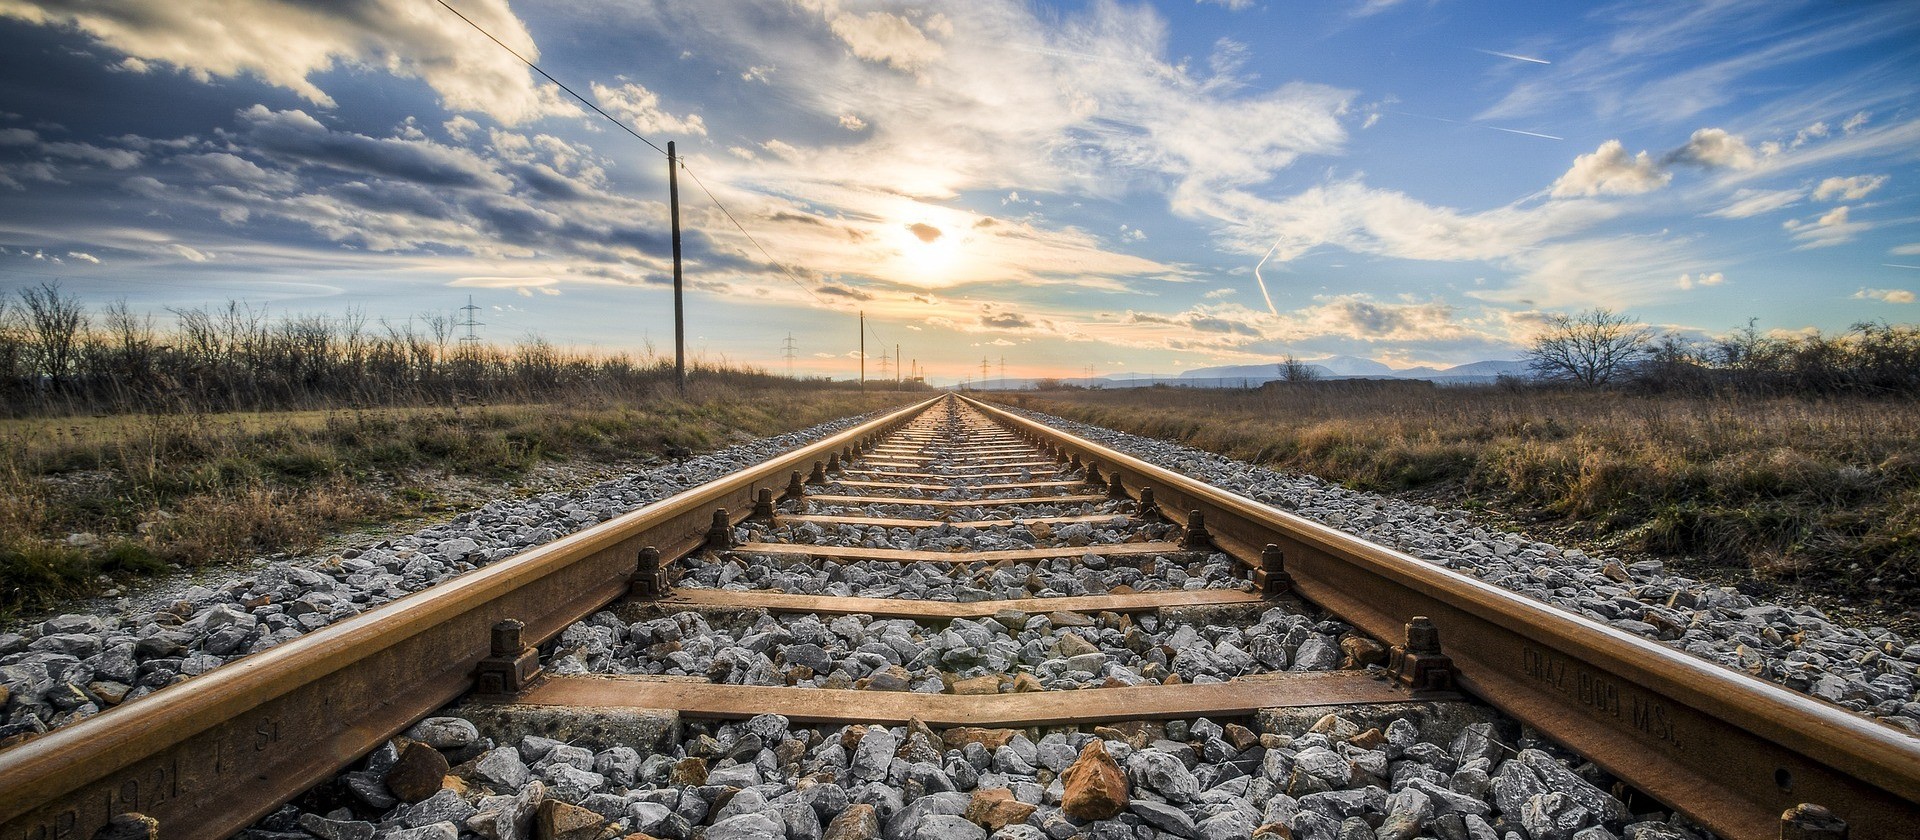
(1131, 186)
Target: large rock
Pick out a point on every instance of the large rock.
(857, 822)
(418, 773)
(558, 820)
(1095, 787)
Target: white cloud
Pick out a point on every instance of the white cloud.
(762, 73)
(1714, 148)
(1848, 189)
(288, 42)
(1885, 295)
(1609, 170)
(1908, 249)
(1689, 281)
(1835, 227)
(188, 253)
(1229, 5)
(884, 37)
(640, 108)
(84, 256)
(1749, 202)
(852, 122)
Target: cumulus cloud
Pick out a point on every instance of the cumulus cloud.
(1713, 148)
(884, 37)
(924, 232)
(286, 43)
(852, 122)
(640, 108)
(1848, 189)
(1885, 295)
(1689, 281)
(84, 257)
(1835, 227)
(1610, 170)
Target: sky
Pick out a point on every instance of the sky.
(1068, 186)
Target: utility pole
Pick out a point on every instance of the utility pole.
(863, 350)
(679, 314)
(788, 349)
(1089, 376)
(898, 369)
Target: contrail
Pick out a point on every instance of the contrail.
(1474, 124)
(1889, 265)
(1262, 280)
(1518, 131)
(1512, 56)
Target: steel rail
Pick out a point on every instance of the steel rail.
(1730, 751)
(209, 757)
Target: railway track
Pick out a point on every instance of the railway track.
(926, 570)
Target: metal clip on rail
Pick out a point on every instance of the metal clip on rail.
(763, 505)
(1196, 538)
(720, 533)
(1274, 579)
(1419, 665)
(513, 665)
(796, 493)
(1811, 822)
(649, 580)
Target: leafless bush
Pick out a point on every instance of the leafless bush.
(57, 359)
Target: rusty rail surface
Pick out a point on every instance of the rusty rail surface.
(1730, 751)
(209, 757)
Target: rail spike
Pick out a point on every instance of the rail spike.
(648, 580)
(512, 666)
(819, 474)
(763, 504)
(1115, 489)
(1419, 665)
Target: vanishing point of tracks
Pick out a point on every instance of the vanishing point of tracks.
(1005, 511)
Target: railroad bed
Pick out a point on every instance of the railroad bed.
(954, 621)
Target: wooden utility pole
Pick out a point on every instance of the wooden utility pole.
(863, 350)
(679, 314)
(898, 375)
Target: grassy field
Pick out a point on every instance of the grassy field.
(88, 502)
(1817, 493)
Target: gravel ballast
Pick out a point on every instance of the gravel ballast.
(1872, 671)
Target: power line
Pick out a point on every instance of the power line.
(628, 129)
(549, 77)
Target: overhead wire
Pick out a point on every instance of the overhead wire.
(681, 162)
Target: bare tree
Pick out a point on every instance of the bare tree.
(1593, 348)
(57, 322)
(1294, 370)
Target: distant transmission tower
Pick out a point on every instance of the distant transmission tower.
(469, 322)
(789, 348)
(1003, 370)
(883, 362)
(984, 366)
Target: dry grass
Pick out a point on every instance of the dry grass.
(1825, 492)
(149, 492)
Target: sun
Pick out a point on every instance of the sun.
(926, 252)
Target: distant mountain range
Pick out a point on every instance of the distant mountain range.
(1331, 367)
